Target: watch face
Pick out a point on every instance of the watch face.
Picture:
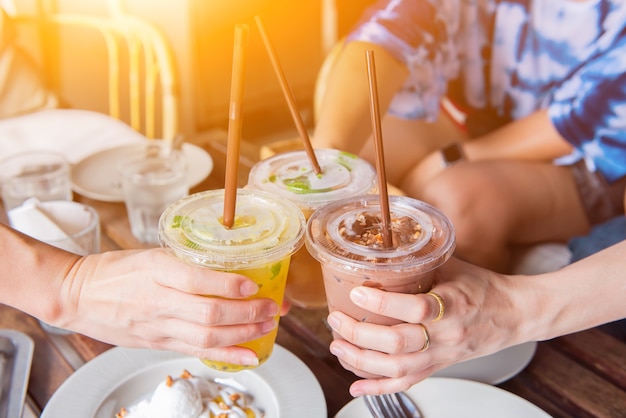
(452, 153)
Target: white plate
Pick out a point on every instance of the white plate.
(283, 386)
(96, 176)
(440, 397)
(494, 368)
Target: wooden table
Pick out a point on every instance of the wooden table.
(580, 375)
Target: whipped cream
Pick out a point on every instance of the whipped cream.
(189, 396)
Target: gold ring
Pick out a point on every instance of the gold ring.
(442, 308)
(426, 338)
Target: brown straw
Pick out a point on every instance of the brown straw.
(380, 155)
(235, 118)
(291, 101)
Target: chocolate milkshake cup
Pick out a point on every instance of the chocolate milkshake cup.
(345, 237)
(267, 230)
(291, 176)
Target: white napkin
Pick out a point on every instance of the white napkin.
(541, 258)
(31, 218)
(72, 132)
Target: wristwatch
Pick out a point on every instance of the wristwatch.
(452, 153)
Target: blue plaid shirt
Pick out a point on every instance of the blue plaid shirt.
(515, 57)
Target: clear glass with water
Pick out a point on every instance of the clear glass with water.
(151, 182)
(41, 174)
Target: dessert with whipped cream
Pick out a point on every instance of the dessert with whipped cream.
(189, 396)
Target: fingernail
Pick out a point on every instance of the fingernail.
(248, 288)
(358, 296)
(268, 326)
(273, 310)
(337, 351)
(334, 322)
(249, 360)
(356, 392)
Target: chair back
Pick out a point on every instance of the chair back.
(142, 84)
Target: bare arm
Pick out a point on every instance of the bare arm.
(143, 298)
(484, 313)
(344, 121)
(533, 137)
(582, 295)
(31, 272)
(530, 138)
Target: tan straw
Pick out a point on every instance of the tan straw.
(380, 155)
(291, 101)
(235, 119)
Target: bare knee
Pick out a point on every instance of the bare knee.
(449, 193)
(454, 198)
(470, 205)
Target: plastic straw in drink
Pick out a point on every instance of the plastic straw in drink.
(380, 157)
(235, 119)
(291, 101)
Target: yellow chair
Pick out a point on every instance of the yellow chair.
(141, 73)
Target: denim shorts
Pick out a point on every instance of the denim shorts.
(601, 200)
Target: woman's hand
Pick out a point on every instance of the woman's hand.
(150, 299)
(479, 318)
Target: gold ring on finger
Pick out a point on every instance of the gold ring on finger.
(442, 307)
(426, 338)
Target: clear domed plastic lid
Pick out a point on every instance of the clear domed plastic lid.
(266, 228)
(291, 175)
(348, 233)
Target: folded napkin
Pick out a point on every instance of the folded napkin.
(32, 218)
(541, 258)
(74, 133)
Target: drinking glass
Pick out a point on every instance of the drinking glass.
(152, 180)
(41, 174)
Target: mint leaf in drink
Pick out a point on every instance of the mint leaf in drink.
(346, 160)
(302, 185)
(275, 269)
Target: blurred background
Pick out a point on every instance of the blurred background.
(199, 36)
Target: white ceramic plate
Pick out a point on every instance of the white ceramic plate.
(96, 176)
(284, 387)
(440, 397)
(495, 368)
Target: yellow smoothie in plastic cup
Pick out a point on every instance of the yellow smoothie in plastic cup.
(266, 232)
(291, 176)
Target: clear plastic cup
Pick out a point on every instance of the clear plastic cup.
(291, 176)
(344, 236)
(267, 230)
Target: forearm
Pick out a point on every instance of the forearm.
(533, 138)
(582, 295)
(30, 268)
(344, 121)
